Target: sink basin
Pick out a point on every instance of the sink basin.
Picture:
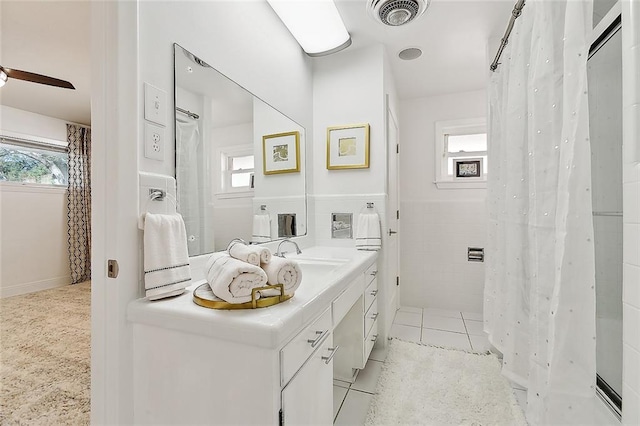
(318, 267)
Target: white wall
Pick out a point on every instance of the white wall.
(135, 41)
(438, 224)
(631, 215)
(34, 251)
(350, 87)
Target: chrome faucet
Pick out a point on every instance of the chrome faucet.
(280, 253)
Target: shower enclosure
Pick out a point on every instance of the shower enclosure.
(605, 122)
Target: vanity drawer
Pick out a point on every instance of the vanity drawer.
(296, 352)
(370, 273)
(346, 300)
(370, 340)
(371, 316)
(370, 293)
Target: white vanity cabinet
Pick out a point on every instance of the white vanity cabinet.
(306, 372)
(355, 324)
(276, 365)
(305, 398)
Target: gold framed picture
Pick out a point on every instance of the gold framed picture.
(281, 153)
(348, 147)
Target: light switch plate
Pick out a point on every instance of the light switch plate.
(155, 104)
(154, 142)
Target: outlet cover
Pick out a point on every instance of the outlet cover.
(154, 142)
(155, 104)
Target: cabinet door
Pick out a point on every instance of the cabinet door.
(308, 398)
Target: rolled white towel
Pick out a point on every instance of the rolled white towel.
(231, 279)
(282, 271)
(241, 251)
(252, 254)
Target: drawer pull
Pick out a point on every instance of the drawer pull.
(374, 316)
(327, 359)
(374, 292)
(374, 273)
(375, 337)
(315, 342)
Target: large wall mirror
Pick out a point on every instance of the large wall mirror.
(240, 163)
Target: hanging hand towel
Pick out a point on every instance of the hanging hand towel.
(368, 232)
(250, 254)
(166, 260)
(232, 279)
(282, 271)
(261, 228)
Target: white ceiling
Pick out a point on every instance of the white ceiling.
(452, 35)
(52, 38)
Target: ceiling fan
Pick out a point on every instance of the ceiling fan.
(6, 73)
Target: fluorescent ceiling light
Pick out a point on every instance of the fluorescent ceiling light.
(315, 24)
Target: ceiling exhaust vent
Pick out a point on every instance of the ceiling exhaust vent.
(396, 12)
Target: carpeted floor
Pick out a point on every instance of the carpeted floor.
(45, 357)
(426, 385)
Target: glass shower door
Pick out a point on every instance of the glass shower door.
(605, 116)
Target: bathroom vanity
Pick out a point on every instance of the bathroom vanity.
(275, 365)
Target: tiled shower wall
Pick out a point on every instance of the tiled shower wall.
(435, 238)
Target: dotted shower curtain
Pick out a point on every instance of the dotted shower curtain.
(539, 307)
(79, 202)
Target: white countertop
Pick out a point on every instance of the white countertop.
(269, 327)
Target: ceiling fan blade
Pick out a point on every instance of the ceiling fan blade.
(37, 78)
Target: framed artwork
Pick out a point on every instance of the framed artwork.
(465, 168)
(348, 147)
(281, 153)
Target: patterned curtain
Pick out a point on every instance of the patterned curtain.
(79, 202)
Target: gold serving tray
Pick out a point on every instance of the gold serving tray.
(203, 296)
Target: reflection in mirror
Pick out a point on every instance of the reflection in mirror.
(239, 162)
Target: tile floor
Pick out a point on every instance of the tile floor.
(462, 330)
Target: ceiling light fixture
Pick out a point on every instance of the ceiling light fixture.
(3, 78)
(410, 53)
(316, 25)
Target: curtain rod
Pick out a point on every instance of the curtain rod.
(189, 113)
(517, 10)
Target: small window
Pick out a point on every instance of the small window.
(27, 161)
(236, 170)
(456, 141)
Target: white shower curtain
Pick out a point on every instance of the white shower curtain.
(188, 139)
(539, 305)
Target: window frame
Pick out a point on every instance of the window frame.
(39, 143)
(444, 129)
(223, 175)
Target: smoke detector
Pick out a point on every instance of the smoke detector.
(396, 12)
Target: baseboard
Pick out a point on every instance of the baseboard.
(32, 287)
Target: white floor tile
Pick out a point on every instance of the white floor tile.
(475, 316)
(379, 354)
(405, 332)
(341, 383)
(408, 318)
(521, 397)
(474, 328)
(354, 409)
(368, 377)
(480, 343)
(445, 339)
(338, 397)
(442, 312)
(443, 323)
(410, 310)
